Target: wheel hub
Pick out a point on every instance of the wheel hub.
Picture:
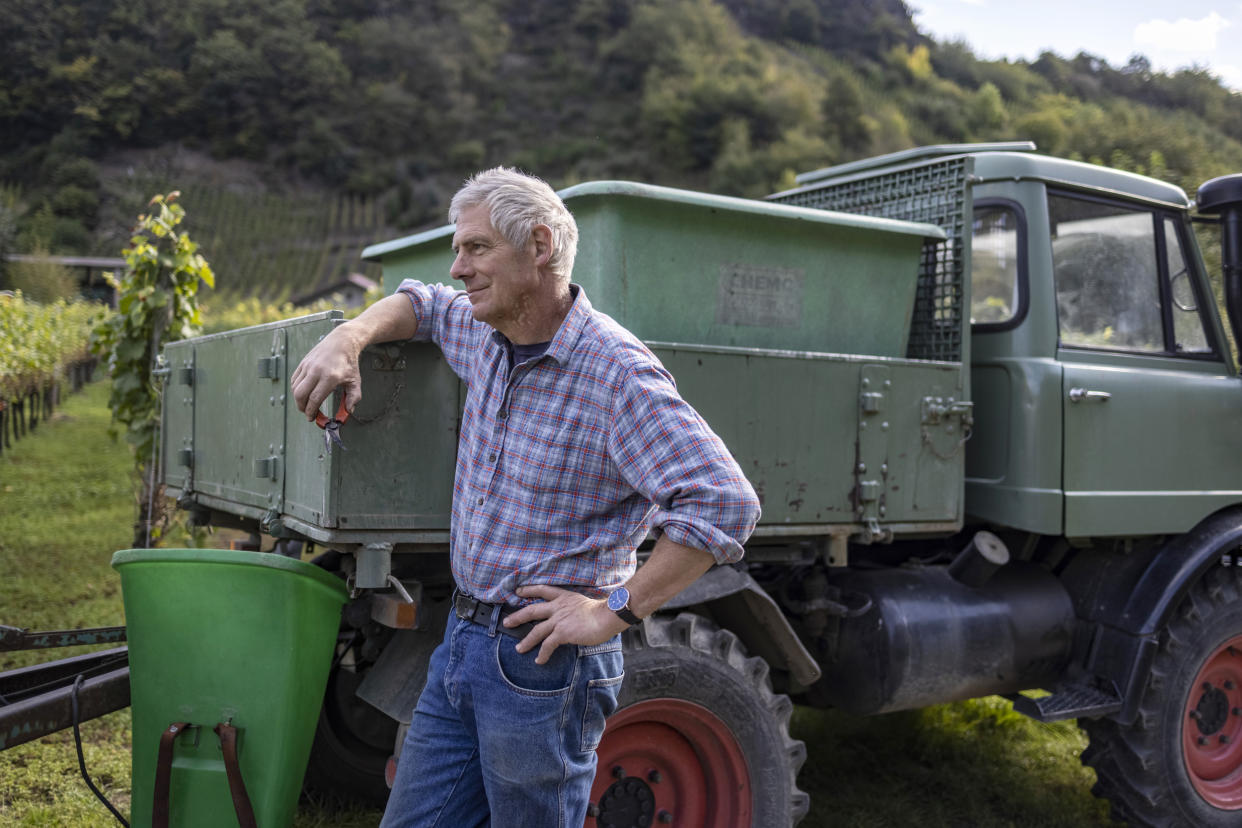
(669, 762)
(626, 803)
(1212, 728)
(1212, 710)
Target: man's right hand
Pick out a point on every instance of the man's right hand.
(333, 362)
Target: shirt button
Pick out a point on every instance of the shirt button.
(502, 414)
(480, 501)
(491, 458)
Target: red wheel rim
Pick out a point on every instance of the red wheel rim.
(691, 769)
(1212, 728)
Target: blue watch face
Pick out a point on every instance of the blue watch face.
(618, 599)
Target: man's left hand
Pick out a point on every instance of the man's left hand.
(563, 617)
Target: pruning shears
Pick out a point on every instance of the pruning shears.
(332, 427)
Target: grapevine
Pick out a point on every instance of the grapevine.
(158, 303)
(40, 345)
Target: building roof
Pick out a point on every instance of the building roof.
(67, 261)
(355, 281)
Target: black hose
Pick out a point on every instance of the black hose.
(77, 740)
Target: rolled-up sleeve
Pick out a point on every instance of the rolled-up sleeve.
(669, 454)
(444, 318)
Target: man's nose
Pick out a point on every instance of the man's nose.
(460, 269)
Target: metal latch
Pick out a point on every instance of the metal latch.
(267, 467)
(269, 367)
(938, 409)
(871, 459)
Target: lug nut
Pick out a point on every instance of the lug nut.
(665, 817)
(655, 777)
(592, 810)
(1207, 687)
(1224, 739)
(1202, 740)
(618, 772)
(1229, 685)
(1196, 715)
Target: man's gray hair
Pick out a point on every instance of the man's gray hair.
(516, 202)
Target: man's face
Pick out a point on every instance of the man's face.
(500, 280)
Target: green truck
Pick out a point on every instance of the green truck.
(991, 411)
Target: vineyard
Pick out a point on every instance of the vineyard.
(41, 348)
(270, 245)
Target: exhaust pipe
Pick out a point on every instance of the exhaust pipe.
(1223, 196)
(980, 560)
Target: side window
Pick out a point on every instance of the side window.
(994, 286)
(1106, 271)
(1189, 336)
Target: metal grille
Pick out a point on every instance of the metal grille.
(933, 193)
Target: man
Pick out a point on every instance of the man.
(574, 444)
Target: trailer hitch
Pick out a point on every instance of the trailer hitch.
(44, 698)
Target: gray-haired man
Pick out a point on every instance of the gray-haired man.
(574, 444)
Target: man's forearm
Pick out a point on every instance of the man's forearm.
(671, 568)
(389, 320)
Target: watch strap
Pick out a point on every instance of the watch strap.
(627, 616)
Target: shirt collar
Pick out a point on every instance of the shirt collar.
(568, 334)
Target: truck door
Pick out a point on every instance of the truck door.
(1152, 416)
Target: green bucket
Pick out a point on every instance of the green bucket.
(243, 639)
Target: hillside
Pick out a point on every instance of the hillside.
(314, 126)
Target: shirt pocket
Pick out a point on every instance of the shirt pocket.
(554, 462)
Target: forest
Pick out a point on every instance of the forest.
(301, 130)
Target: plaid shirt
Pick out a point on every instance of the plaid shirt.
(566, 461)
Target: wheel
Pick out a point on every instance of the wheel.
(698, 739)
(352, 744)
(1180, 763)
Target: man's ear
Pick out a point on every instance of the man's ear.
(541, 234)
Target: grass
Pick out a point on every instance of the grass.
(972, 764)
(66, 505)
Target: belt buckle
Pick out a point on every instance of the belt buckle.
(464, 606)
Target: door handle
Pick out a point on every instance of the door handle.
(1083, 395)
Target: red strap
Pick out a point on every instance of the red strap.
(237, 787)
(342, 415)
(163, 774)
(232, 771)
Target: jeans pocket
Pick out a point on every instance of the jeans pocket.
(601, 702)
(523, 675)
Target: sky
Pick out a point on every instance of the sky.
(1172, 35)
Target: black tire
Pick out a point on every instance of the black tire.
(690, 684)
(1155, 772)
(352, 744)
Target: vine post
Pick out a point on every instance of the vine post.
(158, 303)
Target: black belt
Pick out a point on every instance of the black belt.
(468, 609)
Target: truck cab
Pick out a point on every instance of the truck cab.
(1106, 397)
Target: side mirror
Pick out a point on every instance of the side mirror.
(1223, 196)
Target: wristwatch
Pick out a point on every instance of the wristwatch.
(619, 602)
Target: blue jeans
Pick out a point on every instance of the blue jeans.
(499, 740)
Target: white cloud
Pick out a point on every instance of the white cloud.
(1183, 35)
(1230, 76)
